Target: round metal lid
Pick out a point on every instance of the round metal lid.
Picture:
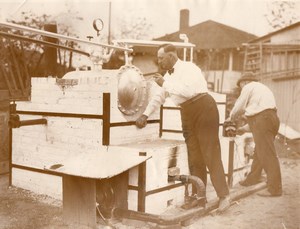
(132, 91)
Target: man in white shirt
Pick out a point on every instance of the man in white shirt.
(187, 87)
(257, 103)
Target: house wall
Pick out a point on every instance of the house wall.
(290, 36)
(281, 61)
(283, 76)
(287, 95)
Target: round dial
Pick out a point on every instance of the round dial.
(98, 24)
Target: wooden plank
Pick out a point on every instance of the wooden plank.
(79, 202)
(2, 71)
(17, 68)
(142, 187)
(108, 162)
(12, 77)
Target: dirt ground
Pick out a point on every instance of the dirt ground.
(21, 209)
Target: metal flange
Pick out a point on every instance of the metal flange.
(132, 91)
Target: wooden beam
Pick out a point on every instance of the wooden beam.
(142, 187)
(106, 119)
(79, 202)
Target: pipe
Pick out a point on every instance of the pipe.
(187, 214)
(18, 37)
(59, 36)
(32, 122)
(15, 121)
(198, 184)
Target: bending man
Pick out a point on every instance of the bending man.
(186, 86)
(257, 102)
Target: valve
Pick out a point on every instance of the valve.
(229, 129)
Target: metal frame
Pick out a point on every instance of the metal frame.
(146, 43)
(59, 36)
(141, 188)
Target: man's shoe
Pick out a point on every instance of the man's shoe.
(266, 193)
(247, 183)
(224, 204)
(194, 202)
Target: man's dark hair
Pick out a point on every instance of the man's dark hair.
(168, 48)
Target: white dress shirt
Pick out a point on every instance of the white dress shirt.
(255, 97)
(186, 82)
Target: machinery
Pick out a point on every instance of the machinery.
(85, 149)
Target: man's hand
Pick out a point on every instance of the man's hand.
(141, 122)
(228, 119)
(243, 129)
(158, 78)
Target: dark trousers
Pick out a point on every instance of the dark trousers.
(256, 169)
(200, 125)
(264, 127)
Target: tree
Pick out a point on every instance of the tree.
(282, 13)
(33, 20)
(133, 27)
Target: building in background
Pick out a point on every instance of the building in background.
(275, 58)
(218, 52)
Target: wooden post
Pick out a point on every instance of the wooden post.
(5, 171)
(79, 202)
(142, 187)
(106, 119)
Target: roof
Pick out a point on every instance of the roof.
(292, 26)
(212, 35)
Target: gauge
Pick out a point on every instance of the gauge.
(98, 24)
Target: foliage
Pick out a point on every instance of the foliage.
(33, 51)
(282, 14)
(133, 27)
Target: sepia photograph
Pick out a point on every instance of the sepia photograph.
(149, 114)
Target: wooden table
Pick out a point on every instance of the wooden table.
(79, 176)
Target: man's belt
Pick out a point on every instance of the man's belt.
(262, 112)
(193, 99)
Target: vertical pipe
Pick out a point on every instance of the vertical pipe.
(142, 187)
(161, 112)
(106, 119)
(12, 109)
(109, 24)
(10, 156)
(230, 163)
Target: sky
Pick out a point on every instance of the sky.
(163, 15)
